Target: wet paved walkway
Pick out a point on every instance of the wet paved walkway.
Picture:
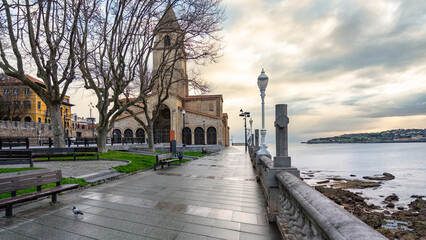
(214, 197)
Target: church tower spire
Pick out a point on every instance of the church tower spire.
(169, 54)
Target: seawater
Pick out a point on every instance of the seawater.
(406, 161)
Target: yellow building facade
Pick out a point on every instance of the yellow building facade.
(23, 104)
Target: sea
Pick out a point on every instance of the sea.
(406, 161)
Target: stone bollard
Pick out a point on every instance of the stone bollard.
(282, 162)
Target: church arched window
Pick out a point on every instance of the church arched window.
(167, 41)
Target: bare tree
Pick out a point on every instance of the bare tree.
(186, 31)
(112, 48)
(41, 34)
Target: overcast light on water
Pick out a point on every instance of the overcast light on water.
(406, 161)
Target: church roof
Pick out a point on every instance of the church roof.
(199, 97)
(168, 21)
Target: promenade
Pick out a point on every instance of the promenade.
(214, 197)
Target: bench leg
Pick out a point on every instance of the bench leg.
(155, 167)
(9, 211)
(54, 198)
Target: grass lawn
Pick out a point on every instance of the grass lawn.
(137, 162)
(8, 170)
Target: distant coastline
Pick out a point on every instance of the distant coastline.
(390, 136)
(348, 142)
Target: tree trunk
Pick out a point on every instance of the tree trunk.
(57, 126)
(102, 137)
(150, 133)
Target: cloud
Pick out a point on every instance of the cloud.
(340, 65)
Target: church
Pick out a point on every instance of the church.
(189, 119)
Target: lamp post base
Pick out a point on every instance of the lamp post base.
(263, 150)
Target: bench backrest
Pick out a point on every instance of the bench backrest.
(86, 149)
(52, 150)
(19, 182)
(15, 154)
(164, 156)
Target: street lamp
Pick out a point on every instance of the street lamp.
(204, 129)
(251, 130)
(245, 115)
(92, 120)
(262, 83)
(183, 129)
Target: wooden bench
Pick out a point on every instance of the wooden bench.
(52, 152)
(86, 151)
(166, 158)
(65, 152)
(14, 142)
(16, 157)
(23, 181)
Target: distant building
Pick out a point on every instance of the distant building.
(23, 104)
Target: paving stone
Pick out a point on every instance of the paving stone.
(198, 200)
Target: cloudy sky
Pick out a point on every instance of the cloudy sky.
(341, 66)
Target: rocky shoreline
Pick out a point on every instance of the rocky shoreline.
(401, 223)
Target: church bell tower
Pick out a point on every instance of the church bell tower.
(169, 55)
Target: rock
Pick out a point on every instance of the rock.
(352, 175)
(390, 205)
(417, 196)
(381, 196)
(386, 176)
(400, 208)
(322, 182)
(356, 184)
(336, 178)
(392, 198)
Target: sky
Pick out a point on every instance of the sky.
(341, 66)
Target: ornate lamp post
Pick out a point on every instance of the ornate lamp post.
(251, 130)
(183, 129)
(204, 129)
(245, 115)
(262, 83)
(92, 120)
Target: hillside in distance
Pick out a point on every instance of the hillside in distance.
(397, 135)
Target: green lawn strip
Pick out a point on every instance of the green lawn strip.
(8, 170)
(194, 154)
(64, 181)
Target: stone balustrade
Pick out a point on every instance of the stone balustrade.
(300, 211)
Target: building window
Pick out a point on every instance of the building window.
(39, 120)
(6, 91)
(16, 91)
(27, 104)
(45, 120)
(27, 91)
(17, 104)
(27, 119)
(39, 106)
(167, 41)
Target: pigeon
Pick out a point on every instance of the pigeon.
(76, 211)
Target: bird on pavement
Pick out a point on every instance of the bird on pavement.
(76, 211)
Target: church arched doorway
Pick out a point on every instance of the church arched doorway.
(116, 136)
(186, 134)
(140, 135)
(211, 135)
(199, 136)
(162, 125)
(27, 119)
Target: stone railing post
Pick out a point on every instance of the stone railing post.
(282, 162)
